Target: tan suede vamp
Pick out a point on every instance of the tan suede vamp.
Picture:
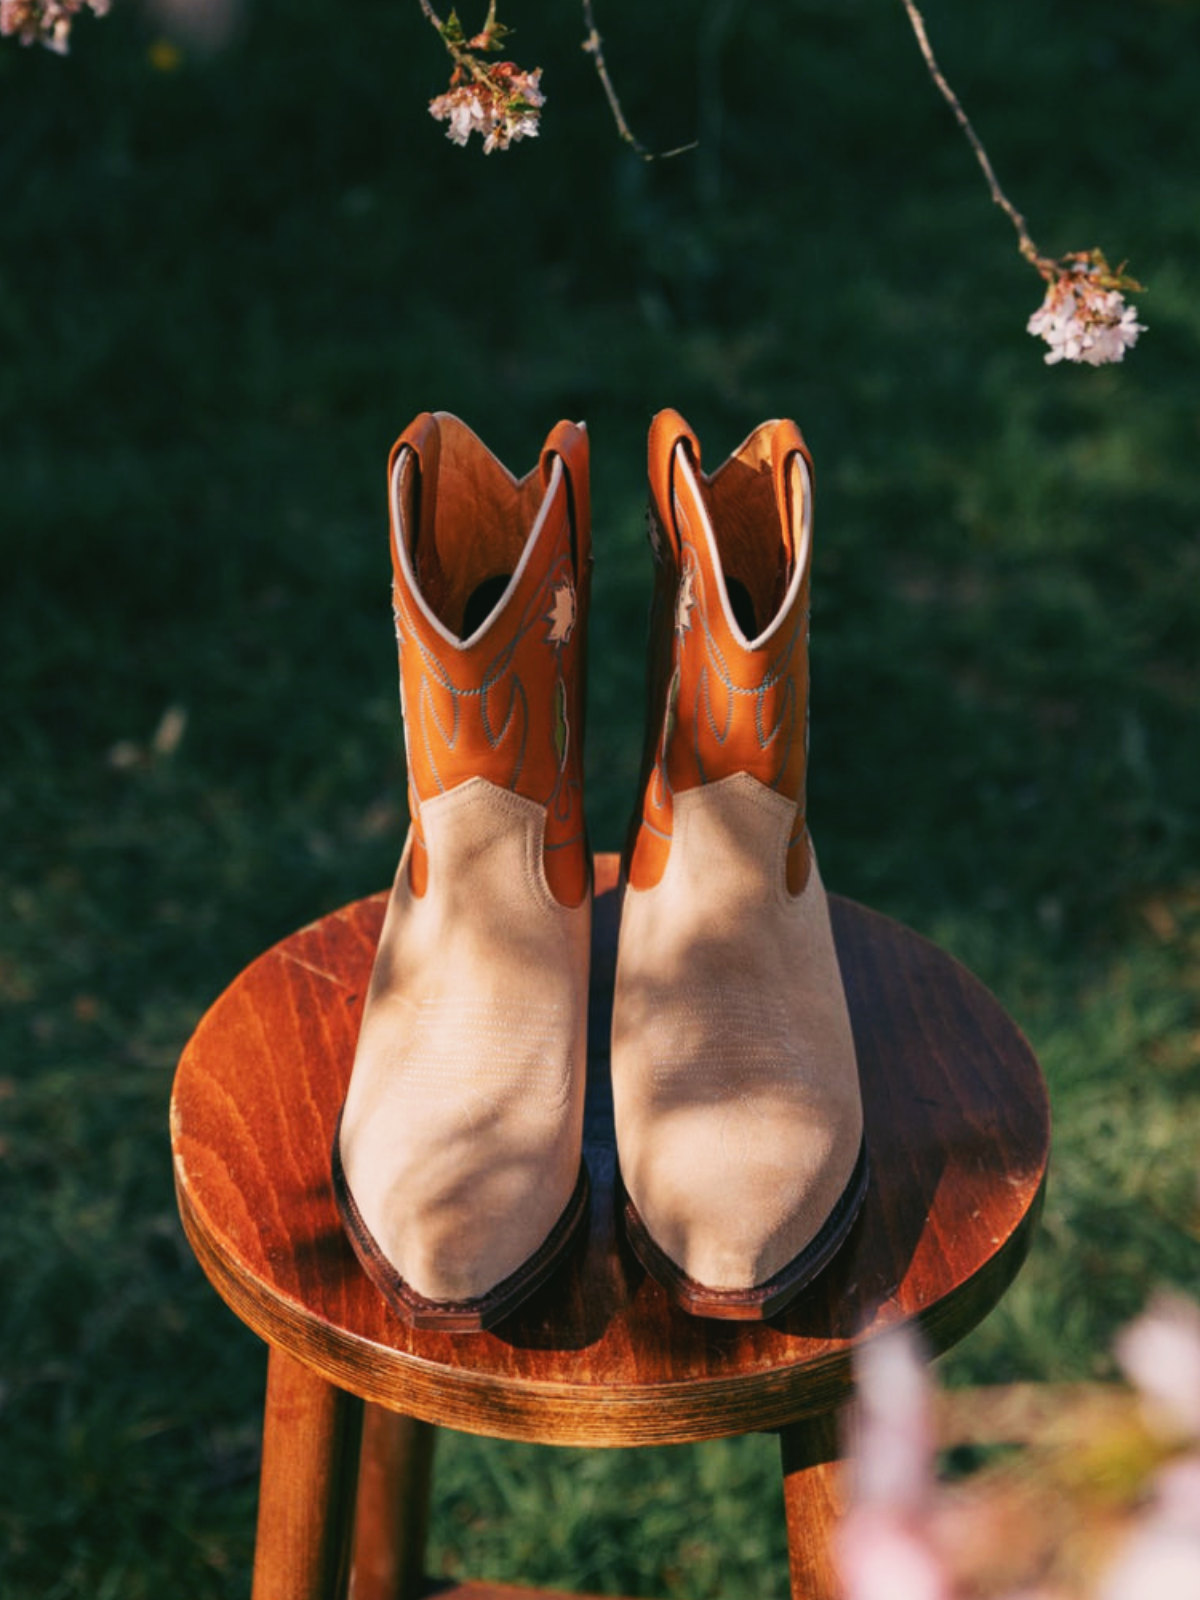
(461, 1137)
(735, 1085)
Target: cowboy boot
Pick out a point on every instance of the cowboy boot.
(735, 1084)
(458, 1162)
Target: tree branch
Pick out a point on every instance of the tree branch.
(594, 46)
(1027, 247)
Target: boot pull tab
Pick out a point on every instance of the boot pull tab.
(667, 432)
(568, 442)
(792, 469)
(423, 438)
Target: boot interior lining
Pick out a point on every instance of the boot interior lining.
(481, 521)
(755, 558)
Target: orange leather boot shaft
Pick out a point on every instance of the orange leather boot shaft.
(490, 592)
(728, 668)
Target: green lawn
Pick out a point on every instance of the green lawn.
(224, 289)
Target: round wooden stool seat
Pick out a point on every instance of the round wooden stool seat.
(957, 1130)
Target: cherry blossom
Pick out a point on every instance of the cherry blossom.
(1160, 1355)
(501, 103)
(1084, 316)
(45, 22)
(884, 1547)
(1039, 1528)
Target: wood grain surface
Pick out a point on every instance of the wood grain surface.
(957, 1128)
(311, 1438)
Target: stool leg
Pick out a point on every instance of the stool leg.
(306, 1494)
(812, 1498)
(392, 1518)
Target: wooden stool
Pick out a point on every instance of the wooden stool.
(958, 1134)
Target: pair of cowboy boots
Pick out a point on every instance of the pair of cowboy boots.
(458, 1163)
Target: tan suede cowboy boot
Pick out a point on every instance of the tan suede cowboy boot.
(458, 1162)
(735, 1084)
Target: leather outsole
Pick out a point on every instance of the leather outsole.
(458, 1316)
(762, 1300)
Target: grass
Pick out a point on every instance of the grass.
(223, 290)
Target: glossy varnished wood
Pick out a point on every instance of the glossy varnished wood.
(813, 1501)
(311, 1435)
(392, 1510)
(957, 1131)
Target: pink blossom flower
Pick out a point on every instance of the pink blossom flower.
(1160, 1355)
(1084, 316)
(1037, 1528)
(463, 108)
(1162, 1557)
(893, 1429)
(884, 1549)
(502, 105)
(46, 22)
(883, 1555)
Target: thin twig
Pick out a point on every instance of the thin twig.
(1027, 247)
(465, 59)
(594, 46)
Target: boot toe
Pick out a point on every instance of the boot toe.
(731, 1219)
(462, 1255)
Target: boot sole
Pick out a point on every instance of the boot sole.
(458, 1316)
(765, 1299)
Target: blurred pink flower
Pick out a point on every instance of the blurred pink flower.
(884, 1551)
(884, 1555)
(893, 1424)
(45, 22)
(1178, 1494)
(1160, 1355)
(1161, 1559)
(1046, 1525)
